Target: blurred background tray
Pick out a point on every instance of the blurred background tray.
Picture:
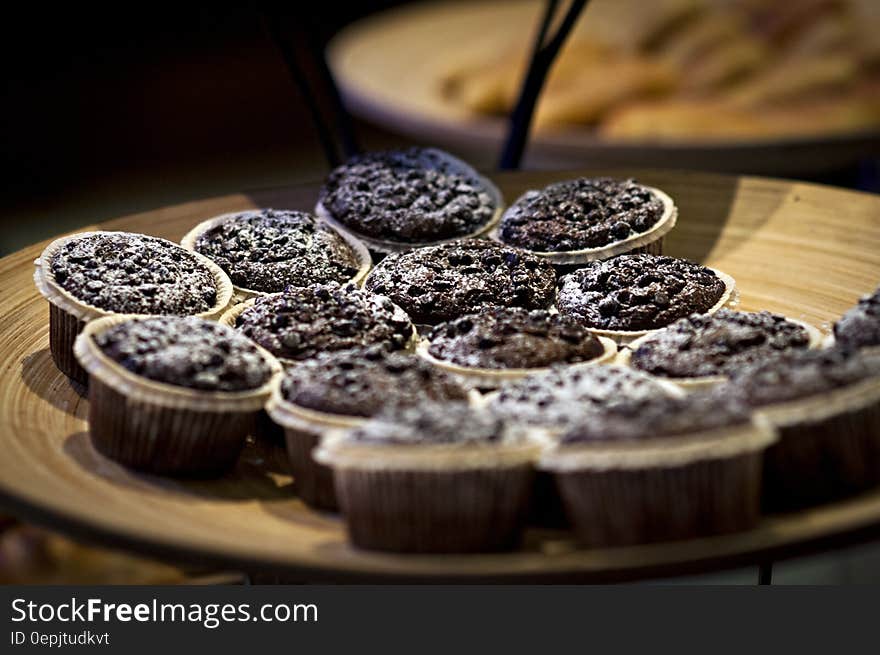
(392, 67)
(804, 250)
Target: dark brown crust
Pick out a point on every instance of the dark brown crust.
(628, 507)
(818, 461)
(64, 327)
(469, 511)
(191, 443)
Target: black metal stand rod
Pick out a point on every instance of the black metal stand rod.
(543, 56)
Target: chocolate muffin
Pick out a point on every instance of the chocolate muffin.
(715, 345)
(360, 382)
(587, 214)
(860, 326)
(341, 390)
(826, 406)
(512, 338)
(432, 478)
(636, 293)
(661, 469)
(412, 196)
(440, 283)
(299, 323)
(560, 397)
(94, 274)
(129, 273)
(268, 250)
(172, 395)
(187, 352)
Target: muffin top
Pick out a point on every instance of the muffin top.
(134, 274)
(702, 345)
(802, 374)
(269, 250)
(430, 424)
(411, 196)
(512, 337)
(299, 323)
(186, 352)
(638, 292)
(439, 283)
(560, 396)
(361, 381)
(860, 326)
(579, 214)
(659, 416)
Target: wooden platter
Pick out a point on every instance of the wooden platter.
(389, 67)
(804, 250)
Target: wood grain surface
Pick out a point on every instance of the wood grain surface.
(804, 250)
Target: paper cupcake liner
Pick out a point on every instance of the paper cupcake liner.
(158, 427)
(650, 241)
(230, 316)
(385, 246)
(67, 314)
(829, 447)
(636, 506)
(662, 489)
(624, 358)
(443, 511)
(489, 379)
(365, 261)
(623, 337)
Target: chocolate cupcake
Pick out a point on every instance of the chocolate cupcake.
(586, 219)
(826, 406)
(342, 390)
(266, 250)
(439, 478)
(628, 296)
(300, 323)
(860, 326)
(94, 274)
(172, 395)
(661, 470)
(401, 199)
(704, 349)
(444, 282)
(504, 343)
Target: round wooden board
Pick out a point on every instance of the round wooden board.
(390, 67)
(803, 250)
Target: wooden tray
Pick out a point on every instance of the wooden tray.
(388, 67)
(803, 250)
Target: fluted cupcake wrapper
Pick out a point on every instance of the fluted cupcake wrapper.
(365, 261)
(828, 448)
(627, 507)
(466, 511)
(68, 315)
(662, 489)
(161, 428)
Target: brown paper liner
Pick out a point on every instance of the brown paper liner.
(646, 242)
(365, 262)
(832, 451)
(628, 507)
(68, 316)
(490, 379)
(63, 330)
(624, 358)
(161, 428)
(468, 511)
(662, 489)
